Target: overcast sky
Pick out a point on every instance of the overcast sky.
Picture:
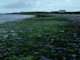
(8, 6)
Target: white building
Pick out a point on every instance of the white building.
(61, 11)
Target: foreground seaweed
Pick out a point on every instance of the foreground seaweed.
(44, 38)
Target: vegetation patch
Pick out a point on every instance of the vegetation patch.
(37, 38)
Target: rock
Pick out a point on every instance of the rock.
(5, 49)
(21, 55)
(36, 52)
(78, 39)
(62, 31)
(52, 39)
(1, 36)
(39, 36)
(55, 58)
(26, 38)
(12, 31)
(79, 43)
(1, 55)
(5, 54)
(5, 36)
(50, 46)
(3, 40)
(64, 58)
(3, 43)
(1, 47)
(4, 31)
(20, 31)
(53, 51)
(74, 35)
(9, 48)
(19, 38)
(76, 46)
(44, 58)
(10, 40)
(14, 34)
(57, 38)
(59, 51)
(74, 55)
(15, 48)
(0, 44)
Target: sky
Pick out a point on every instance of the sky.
(10, 6)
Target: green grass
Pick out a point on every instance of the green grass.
(27, 39)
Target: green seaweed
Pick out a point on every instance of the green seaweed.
(38, 36)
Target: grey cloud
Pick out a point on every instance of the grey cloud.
(27, 4)
(38, 5)
(15, 5)
(20, 4)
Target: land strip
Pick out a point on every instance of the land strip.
(74, 18)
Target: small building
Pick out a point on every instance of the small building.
(62, 11)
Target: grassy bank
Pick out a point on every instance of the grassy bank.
(39, 38)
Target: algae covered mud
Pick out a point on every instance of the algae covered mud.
(43, 38)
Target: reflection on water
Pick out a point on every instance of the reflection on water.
(13, 17)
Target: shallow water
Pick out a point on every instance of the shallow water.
(13, 17)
